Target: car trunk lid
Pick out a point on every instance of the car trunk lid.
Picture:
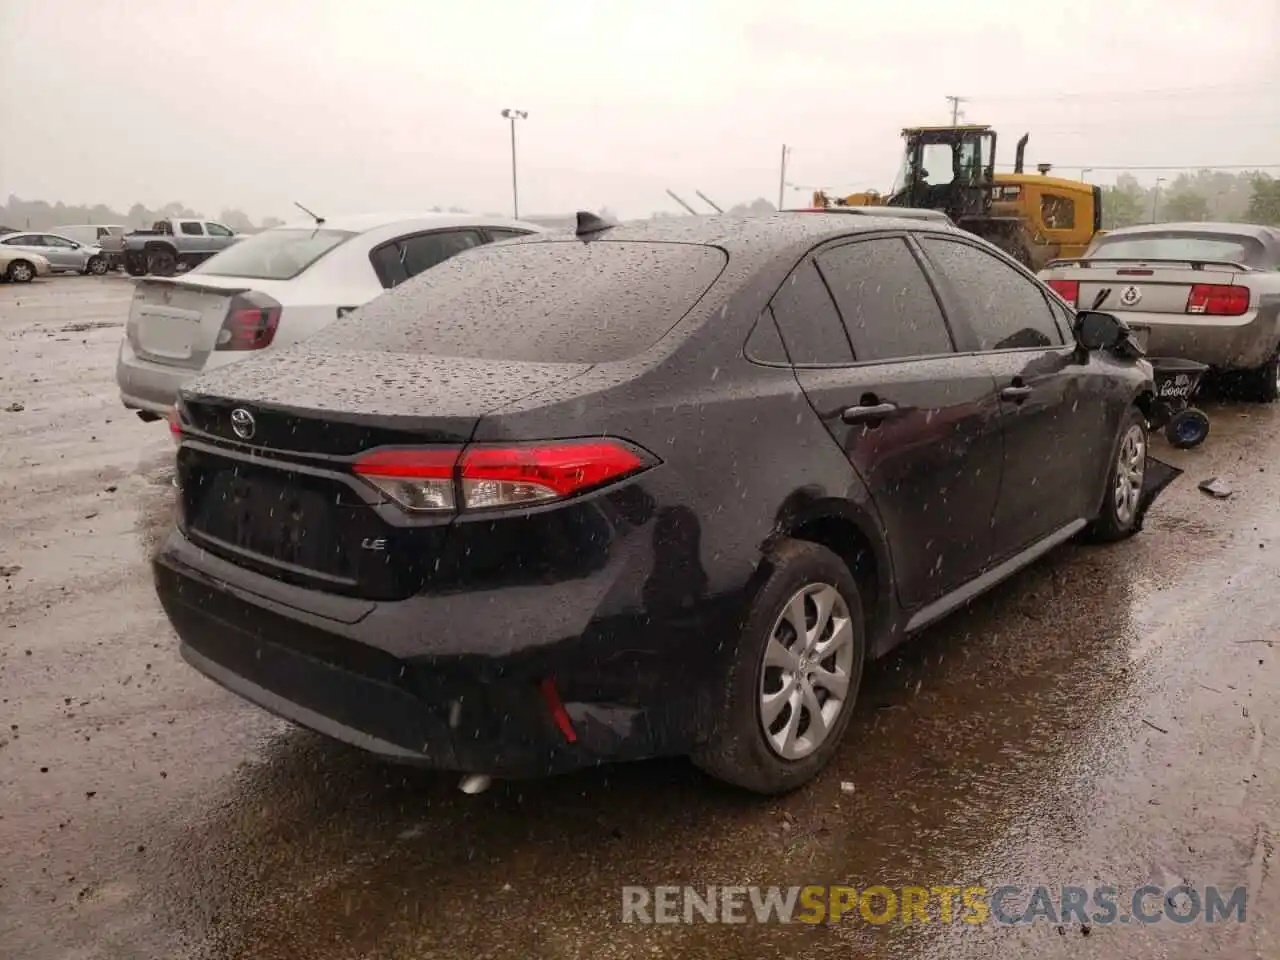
(1137, 286)
(176, 321)
(279, 492)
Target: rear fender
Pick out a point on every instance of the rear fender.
(847, 526)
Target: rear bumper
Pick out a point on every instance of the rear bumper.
(470, 701)
(148, 386)
(1224, 343)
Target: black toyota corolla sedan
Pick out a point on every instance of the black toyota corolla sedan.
(642, 490)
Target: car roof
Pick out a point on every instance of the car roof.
(752, 234)
(364, 222)
(1268, 237)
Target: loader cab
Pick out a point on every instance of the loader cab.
(951, 169)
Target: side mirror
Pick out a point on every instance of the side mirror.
(1095, 330)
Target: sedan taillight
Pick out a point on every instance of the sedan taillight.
(251, 323)
(483, 476)
(1218, 300)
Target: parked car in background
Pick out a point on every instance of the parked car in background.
(97, 234)
(22, 264)
(1208, 292)
(172, 245)
(277, 287)
(574, 499)
(64, 254)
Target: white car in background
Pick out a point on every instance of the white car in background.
(277, 287)
(20, 265)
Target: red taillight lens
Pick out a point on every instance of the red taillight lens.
(1218, 299)
(251, 323)
(175, 424)
(484, 477)
(1068, 290)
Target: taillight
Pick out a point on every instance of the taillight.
(175, 424)
(487, 476)
(1068, 290)
(250, 324)
(1218, 299)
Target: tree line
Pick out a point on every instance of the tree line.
(1250, 197)
(19, 214)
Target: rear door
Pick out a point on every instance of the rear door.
(1054, 414)
(191, 237)
(918, 423)
(63, 253)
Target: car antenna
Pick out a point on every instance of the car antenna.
(590, 223)
(709, 202)
(318, 219)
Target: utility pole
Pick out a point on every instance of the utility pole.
(513, 116)
(955, 108)
(1155, 198)
(782, 176)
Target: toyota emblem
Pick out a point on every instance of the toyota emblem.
(1130, 296)
(242, 423)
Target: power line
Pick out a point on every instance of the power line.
(1259, 87)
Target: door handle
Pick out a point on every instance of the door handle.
(1015, 394)
(868, 414)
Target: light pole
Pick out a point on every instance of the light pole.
(1155, 198)
(513, 116)
(782, 176)
(1084, 170)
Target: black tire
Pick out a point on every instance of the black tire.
(135, 266)
(96, 266)
(161, 262)
(1114, 522)
(738, 752)
(1188, 428)
(20, 271)
(1263, 384)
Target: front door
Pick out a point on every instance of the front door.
(1053, 419)
(920, 425)
(63, 254)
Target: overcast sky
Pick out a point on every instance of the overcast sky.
(394, 104)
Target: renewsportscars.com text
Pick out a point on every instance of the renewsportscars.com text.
(1008, 904)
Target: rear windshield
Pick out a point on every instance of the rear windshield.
(566, 302)
(277, 254)
(1180, 245)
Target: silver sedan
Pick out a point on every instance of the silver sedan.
(64, 255)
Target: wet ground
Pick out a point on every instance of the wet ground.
(1105, 718)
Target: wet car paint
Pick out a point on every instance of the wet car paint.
(1009, 744)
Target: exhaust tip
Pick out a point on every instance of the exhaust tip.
(474, 783)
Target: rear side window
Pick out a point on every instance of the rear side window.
(495, 234)
(549, 302)
(1007, 310)
(808, 321)
(191, 228)
(885, 301)
(397, 261)
(279, 254)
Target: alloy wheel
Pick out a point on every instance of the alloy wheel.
(804, 680)
(20, 273)
(1131, 467)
